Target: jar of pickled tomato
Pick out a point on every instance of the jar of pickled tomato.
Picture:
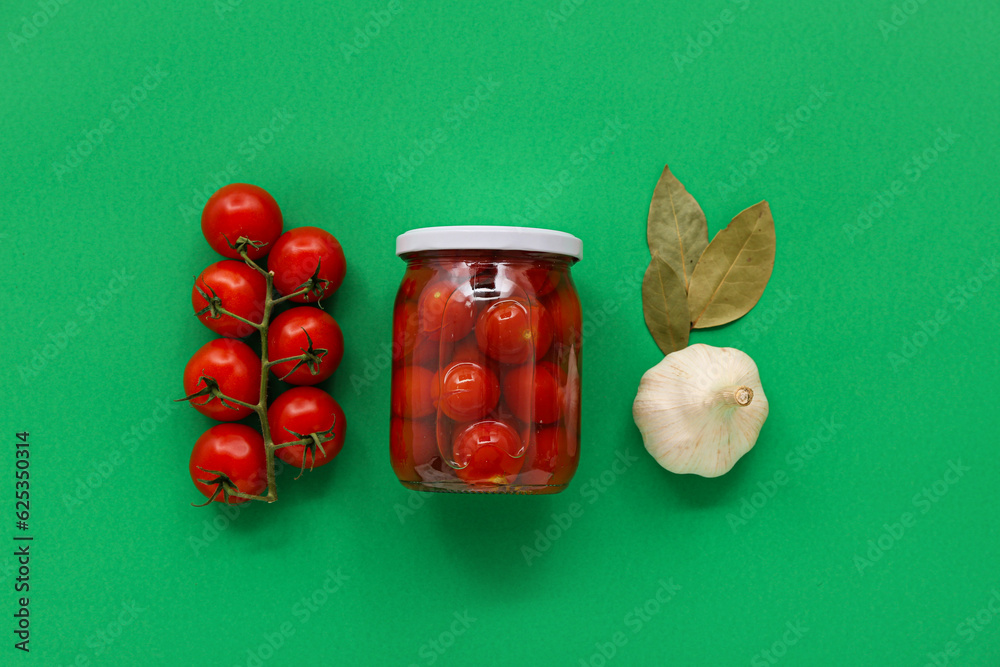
(486, 361)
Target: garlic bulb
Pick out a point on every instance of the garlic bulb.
(700, 409)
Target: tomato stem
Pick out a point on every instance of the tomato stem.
(249, 496)
(282, 299)
(261, 407)
(293, 443)
(298, 357)
(222, 311)
(229, 399)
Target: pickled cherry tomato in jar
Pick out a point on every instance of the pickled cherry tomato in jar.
(486, 361)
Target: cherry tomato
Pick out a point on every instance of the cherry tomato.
(571, 409)
(466, 392)
(426, 352)
(413, 444)
(548, 460)
(544, 447)
(423, 443)
(234, 368)
(400, 452)
(534, 392)
(239, 289)
(414, 281)
(241, 210)
(412, 392)
(567, 468)
(544, 280)
(541, 278)
(295, 257)
(230, 457)
(407, 342)
(468, 350)
(564, 308)
(446, 310)
(490, 452)
(513, 332)
(289, 336)
(306, 410)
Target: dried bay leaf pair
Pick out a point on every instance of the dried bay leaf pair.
(691, 283)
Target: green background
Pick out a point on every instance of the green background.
(807, 572)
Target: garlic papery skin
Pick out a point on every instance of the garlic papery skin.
(700, 409)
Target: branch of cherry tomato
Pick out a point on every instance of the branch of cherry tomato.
(225, 380)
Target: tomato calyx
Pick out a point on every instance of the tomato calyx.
(222, 484)
(311, 357)
(314, 286)
(242, 243)
(214, 307)
(213, 391)
(311, 443)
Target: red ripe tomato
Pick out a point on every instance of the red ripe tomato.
(404, 329)
(241, 210)
(489, 452)
(412, 445)
(407, 342)
(513, 331)
(295, 257)
(446, 310)
(468, 391)
(426, 352)
(534, 392)
(400, 453)
(468, 350)
(306, 410)
(229, 457)
(423, 443)
(414, 281)
(240, 290)
(544, 447)
(540, 277)
(564, 307)
(234, 368)
(548, 460)
(412, 392)
(289, 336)
(571, 408)
(569, 458)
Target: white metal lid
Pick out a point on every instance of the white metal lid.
(489, 237)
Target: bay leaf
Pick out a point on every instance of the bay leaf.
(733, 271)
(665, 307)
(676, 229)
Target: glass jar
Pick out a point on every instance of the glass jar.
(486, 361)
